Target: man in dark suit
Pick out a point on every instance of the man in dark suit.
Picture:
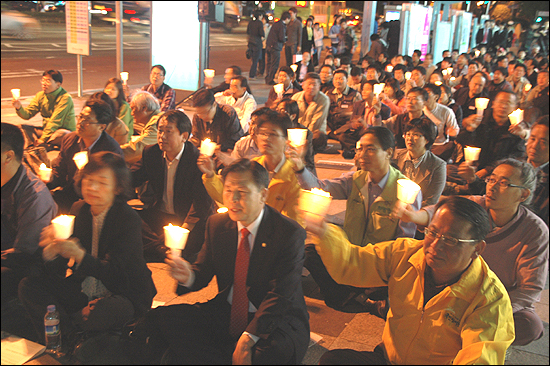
(484, 35)
(89, 136)
(304, 66)
(274, 45)
(178, 195)
(272, 324)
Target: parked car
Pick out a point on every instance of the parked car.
(19, 25)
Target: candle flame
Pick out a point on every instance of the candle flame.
(222, 210)
(320, 192)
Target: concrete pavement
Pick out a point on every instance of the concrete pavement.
(330, 329)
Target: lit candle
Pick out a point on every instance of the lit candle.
(516, 117)
(438, 83)
(124, 77)
(407, 190)
(209, 73)
(297, 136)
(477, 52)
(279, 88)
(389, 68)
(81, 159)
(481, 105)
(453, 78)
(471, 154)
(16, 93)
(294, 67)
(315, 202)
(208, 147)
(44, 172)
(528, 87)
(175, 238)
(449, 70)
(444, 72)
(223, 210)
(408, 75)
(63, 226)
(378, 88)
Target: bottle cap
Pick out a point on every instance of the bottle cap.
(51, 308)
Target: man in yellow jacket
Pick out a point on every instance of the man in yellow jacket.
(284, 190)
(447, 306)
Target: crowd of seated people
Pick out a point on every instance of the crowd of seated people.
(417, 127)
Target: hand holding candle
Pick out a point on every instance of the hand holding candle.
(407, 190)
(208, 147)
(175, 238)
(528, 87)
(378, 88)
(481, 105)
(45, 173)
(408, 75)
(279, 89)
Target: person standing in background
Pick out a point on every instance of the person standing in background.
(293, 43)
(255, 31)
(274, 46)
(318, 35)
(267, 27)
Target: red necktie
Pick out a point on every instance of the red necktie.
(239, 305)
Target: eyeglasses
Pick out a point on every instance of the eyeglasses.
(502, 183)
(46, 80)
(84, 121)
(157, 74)
(447, 240)
(267, 135)
(413, 135)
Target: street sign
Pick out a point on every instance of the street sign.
(77, 18)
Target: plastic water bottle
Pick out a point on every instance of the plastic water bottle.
(52, 330)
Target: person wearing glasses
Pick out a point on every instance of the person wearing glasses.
(371, 194)
(56, 108)
(163, 92)
(271, 138)
(449, 306)
(90, 136)
(517, 246)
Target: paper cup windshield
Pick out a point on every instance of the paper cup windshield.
(124, 76)
(208, 147)
(209, 73)
(407, 190)
(294, 67)
(408, 75)
(279, 88)
(175, 237)
(315, 201)
(481, 103)
(516, 116)
(16, 93)
(81, 159)
(297, 136)
(63, 226)
(45, 172)
(378, 88)
(471, 153)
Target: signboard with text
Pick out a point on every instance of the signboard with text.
(419, 29)
(77, 19)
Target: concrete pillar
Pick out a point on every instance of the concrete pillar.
(369, 18)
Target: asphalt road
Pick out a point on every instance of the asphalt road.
(23, 62)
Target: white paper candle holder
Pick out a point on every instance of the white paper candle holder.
(63, 226)
(294, 67)
(80, 159)
(208, 147)
(408, 75)
(297, 136)
(175, 238)
(481, 105)
(516, 116)
(378, 88)
(471, 153)
(209, 73)
(316, 201)
(407, 190)
(279, 88)
(45, 172)
(389, 68)
(124, 77)
(16, 93)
